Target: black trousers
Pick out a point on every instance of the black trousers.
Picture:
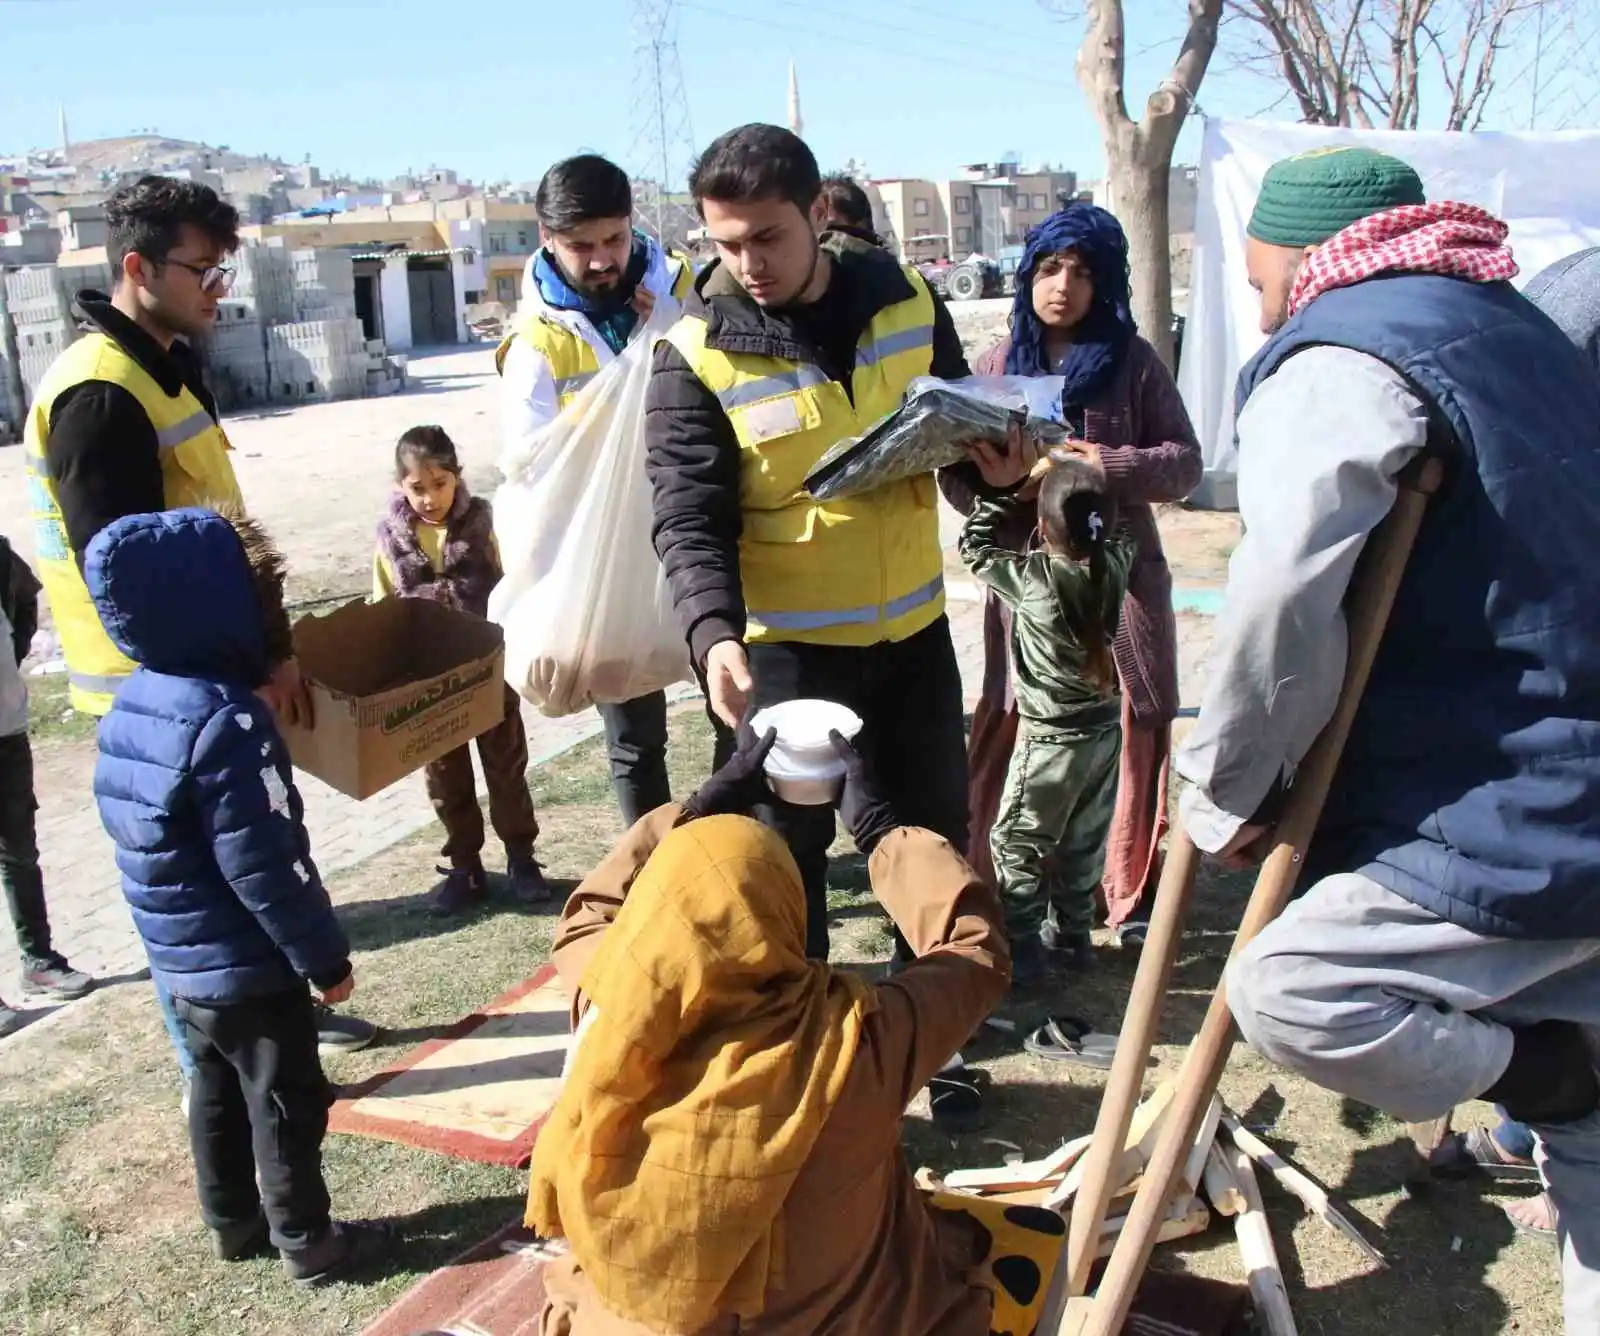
(19, 848)
(258, 1104)
(908, 695)
(636, 744)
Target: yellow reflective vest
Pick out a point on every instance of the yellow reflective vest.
(195, 471)
(573, 360)
(856, 571)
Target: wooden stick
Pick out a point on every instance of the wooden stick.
(1015, 1177)
(1139, 1143)
(1301, 1185)
(1191, 1219)
(1100, 1164)
(1205, 1138)
(1371, 598)
(1271, 1295)
(1222, 1188)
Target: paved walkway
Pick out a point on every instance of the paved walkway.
(91, 922)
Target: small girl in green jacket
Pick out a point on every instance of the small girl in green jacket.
(1064, 598)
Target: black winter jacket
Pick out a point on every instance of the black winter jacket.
(692, 453)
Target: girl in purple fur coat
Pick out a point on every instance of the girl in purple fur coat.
(437, 541)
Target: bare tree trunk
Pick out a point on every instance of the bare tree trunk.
(1139, 153)
(1140, 180)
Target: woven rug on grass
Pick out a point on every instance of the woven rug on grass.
(480, 1091)
(494, 1289)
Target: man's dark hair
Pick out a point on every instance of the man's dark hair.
(579, 190)
(144, 218)
(757, 162)
(847, 201)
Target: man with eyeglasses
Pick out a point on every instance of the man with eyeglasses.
(123, 425)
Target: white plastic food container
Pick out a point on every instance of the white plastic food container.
(803, 767)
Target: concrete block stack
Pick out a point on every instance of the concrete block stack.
(39, 311)
(264, 277)
(11, 403)
(318, 359)
(235, 356)
(385, 374)
(324, 285)
(76, 278)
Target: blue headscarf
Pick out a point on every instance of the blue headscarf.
(1102, 337)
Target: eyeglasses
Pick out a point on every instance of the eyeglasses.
(214, 278)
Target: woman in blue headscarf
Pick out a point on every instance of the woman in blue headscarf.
(1072, 319)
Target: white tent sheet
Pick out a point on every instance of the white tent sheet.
(1545, 186)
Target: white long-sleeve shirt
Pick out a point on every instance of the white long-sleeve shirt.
(1321, 443)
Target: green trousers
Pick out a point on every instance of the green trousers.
(1049, 842)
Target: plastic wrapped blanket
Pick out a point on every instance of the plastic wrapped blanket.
(930, 430)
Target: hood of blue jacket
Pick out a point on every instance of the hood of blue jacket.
(175, 595)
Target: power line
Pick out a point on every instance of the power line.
(663, 138)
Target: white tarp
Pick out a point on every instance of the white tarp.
(1545, 186)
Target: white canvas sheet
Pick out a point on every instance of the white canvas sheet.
(1545, 186)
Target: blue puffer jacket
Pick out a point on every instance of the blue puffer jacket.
(194, 782)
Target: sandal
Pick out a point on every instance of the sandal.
(1069, 1039)
(1535, 1231)
(1476, 1152)
(955, 1098)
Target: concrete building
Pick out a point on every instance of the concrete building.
(985, 210)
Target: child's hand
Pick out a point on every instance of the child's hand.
(340, 992)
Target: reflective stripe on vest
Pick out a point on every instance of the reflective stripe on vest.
(816, 621)
(196, 424)
(903, 341)
(876, 555)
(195, 471)
(567, 386)
(770, 387)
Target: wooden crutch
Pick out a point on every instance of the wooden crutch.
(1370, 600)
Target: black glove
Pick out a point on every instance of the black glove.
(863, 809)
(740, 784)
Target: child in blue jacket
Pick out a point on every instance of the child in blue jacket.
(195, 789)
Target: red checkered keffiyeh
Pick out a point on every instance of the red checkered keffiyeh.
(1456, 240)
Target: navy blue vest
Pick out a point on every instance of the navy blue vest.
(1471, 782)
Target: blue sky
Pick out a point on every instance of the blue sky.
(498, 90)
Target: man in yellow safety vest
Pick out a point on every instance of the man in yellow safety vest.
(123, 425)
(795, 341)
(586, 294)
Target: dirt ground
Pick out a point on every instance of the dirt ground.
(98, 1231)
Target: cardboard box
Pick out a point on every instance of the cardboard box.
(394, 684)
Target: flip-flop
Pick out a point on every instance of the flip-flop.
(955, 1099)
(1474, 1153)
(1533, 1231)
(1069, 1039)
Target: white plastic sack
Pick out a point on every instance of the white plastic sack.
(584, 601)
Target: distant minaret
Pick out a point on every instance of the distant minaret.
(795, 123)
(66, 143)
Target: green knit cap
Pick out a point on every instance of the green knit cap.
(1306, 199)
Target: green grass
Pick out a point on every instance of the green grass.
(99, 1233)
(51, 717)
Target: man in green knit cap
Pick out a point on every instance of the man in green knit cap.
(1448, 945)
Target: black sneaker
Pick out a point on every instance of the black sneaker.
(463, 889)
(526, 879)
(1032, 963)
(9, 1020)
(342, 1034)
(236, 1243)
(1074, 950)
(347, 1247)
(51, 977)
